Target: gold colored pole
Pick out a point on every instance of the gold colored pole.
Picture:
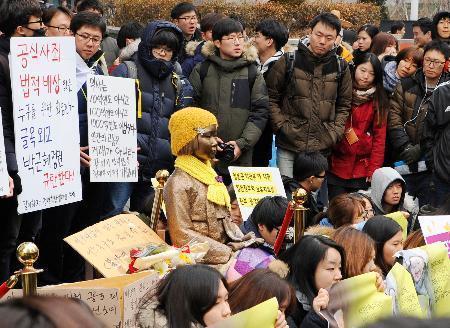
(299, 197)
(27, 253)
(161, 177)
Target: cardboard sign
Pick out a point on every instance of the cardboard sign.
(251, 184)
(106, 245)
(436, 229)
(45, 104)
(4, 176)
(108, 298)
(111, 107)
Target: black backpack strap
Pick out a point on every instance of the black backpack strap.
(290, 64)
(204, 66)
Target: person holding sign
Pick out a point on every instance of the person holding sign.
(164, 91)
(197, 201)
(17, 19)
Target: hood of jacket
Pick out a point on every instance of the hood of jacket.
(303, 45)
(381, 179)
(129, 51)
(265, 67)
(149, 32)
(193, 47)
(249, 56)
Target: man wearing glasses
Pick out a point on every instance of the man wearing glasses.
(185, 17)
(409, 106)
(436, 136)
(18, 18)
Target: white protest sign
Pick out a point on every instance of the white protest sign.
(435, 229)
(45, 103)
(253, 183)
(104, 302)
(111, 106)
(4, 176)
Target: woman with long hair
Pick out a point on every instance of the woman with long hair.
(366, 33)
(388, 237)
(189, 297)
(361, 151)
(315, 264)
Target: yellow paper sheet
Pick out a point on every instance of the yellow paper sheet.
(262, 315)
(359, 300)
(401, 220)
(439, 266)
(107, 244)
(405, 293)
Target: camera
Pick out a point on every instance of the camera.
(227, 153)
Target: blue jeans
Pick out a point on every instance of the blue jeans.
(140, 194)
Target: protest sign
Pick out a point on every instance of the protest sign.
(439, 271)
(45, 104)
(400, 286)
(111, 106)
(253, 183)
(109, 298)
(107, 244)
(436, 229)
(104, 302)
(262, 315)
(355, 302)
(4, 176)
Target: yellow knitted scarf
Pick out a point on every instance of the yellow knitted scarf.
(217, 192)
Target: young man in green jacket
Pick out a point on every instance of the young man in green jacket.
(229, 85)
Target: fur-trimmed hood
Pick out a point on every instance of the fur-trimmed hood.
(128, 52)
(250, 54)
(191, 47)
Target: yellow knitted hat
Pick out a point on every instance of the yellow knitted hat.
(183, 125)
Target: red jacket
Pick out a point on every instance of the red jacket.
(367, 154)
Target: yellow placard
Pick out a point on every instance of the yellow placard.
(406, 299)
(262, 315)
(107, 244)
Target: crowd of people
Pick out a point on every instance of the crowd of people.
(358, 121)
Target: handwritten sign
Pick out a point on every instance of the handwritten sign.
(104, 302)
(111, 106)
(107, 244)
(400, 286)
(132, 297)
(436, 229)
(109, 298)
(45, 104)
(253, 183)
(4, 176)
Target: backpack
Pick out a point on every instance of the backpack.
(290, 65)
(252, 73)
(176, 80)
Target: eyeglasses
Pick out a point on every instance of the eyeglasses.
(366, 213)
(35, 22)
(86, 38)
(189, 18)
(161, 50)
(61, 29)
(429, 61)
(234, 38)
(321, 176)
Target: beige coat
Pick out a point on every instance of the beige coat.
(191, 216)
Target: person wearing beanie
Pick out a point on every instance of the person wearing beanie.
(309, 174)
(197, 201)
